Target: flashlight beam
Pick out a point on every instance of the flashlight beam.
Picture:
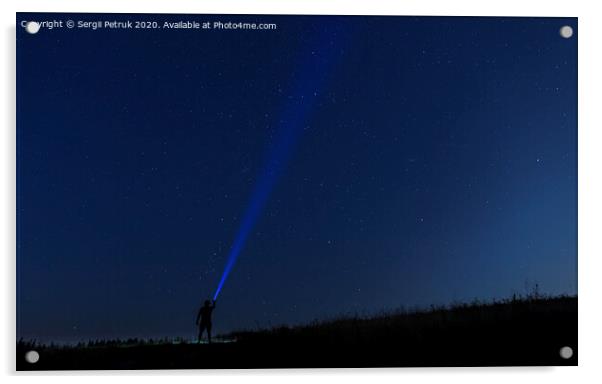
(307, 84)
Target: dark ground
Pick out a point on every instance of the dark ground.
(528, 332)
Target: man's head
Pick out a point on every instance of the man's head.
(207, 303)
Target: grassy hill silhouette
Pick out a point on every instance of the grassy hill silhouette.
(519, 331)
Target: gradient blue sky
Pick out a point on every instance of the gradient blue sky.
(433, 160)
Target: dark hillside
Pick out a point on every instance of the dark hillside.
(514, 332)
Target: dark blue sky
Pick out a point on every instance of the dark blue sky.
(425, 161)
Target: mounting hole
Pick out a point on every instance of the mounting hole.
(566, 352)
(32, 357)
(566, 31)
(32, 27)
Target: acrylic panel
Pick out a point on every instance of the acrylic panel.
(287, 191)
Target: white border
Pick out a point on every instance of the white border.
(590, 188)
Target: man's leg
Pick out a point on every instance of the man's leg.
(201, 329)
(209, 332)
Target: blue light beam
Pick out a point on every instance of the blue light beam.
(307, 83)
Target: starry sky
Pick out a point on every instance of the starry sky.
(409, 161)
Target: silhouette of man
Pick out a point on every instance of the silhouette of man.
(203, 319)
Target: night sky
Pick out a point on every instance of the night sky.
(375, 162)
